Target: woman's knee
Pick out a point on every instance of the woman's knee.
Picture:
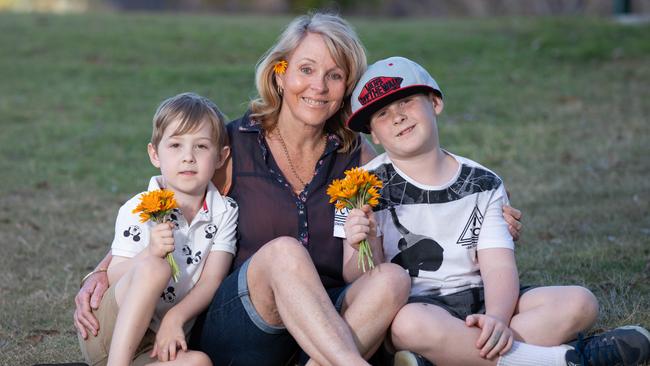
(284, 252)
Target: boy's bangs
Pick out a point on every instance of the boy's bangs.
(192, 121)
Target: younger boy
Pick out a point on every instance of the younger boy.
(440, 218)
(145, 315)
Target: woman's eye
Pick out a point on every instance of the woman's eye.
(336, 76)
(305, 70)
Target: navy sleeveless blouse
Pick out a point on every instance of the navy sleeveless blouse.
(268, 207)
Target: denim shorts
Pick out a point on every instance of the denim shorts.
(463, 303)
(235, 334)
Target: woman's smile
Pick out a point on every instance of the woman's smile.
(315, 102)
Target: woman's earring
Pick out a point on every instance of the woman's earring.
(280, 90)
(342, 104)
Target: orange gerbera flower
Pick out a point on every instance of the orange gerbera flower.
(358, 188)
(155, 205)
(280, 67)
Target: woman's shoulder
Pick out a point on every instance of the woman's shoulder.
(244, 121)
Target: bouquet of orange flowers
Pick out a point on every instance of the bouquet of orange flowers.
(156, 206)
(358, 188)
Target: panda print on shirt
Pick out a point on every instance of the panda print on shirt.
(191, 258)
(133, 232)
(210, 231)
(169, 295)
(173, 217)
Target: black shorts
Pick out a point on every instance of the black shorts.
(461, 304)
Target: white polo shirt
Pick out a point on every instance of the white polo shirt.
(213, 228)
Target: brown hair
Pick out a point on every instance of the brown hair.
(190, 110)
(345, 48)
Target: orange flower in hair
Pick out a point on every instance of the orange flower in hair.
(280, 67)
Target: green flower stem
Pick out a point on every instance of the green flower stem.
(365, 256)
(176, 272)
(172, 263)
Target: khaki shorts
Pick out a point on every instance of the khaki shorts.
(95, 349)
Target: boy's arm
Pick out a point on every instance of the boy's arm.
(170, 334)
(359, 225)
(501, 284)
(351, 270)
(198, 298)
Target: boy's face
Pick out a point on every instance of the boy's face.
(187, 161)
(407, 127)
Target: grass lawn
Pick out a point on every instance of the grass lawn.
(558, 107)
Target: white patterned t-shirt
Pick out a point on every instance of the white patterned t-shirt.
(434, 232)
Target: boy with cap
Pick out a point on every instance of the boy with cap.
(440, 218)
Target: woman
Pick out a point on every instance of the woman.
(288, 283)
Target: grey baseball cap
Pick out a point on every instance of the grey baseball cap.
(384, 82)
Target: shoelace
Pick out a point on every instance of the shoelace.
(598, 351)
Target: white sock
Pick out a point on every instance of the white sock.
(526, 354)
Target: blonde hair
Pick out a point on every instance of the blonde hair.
(190, 110)
(346, 50)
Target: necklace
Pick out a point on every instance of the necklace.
(286, 154)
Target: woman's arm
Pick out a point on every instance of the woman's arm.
(89, 297)
(513, 218)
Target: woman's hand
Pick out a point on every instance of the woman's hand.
(162, 240)
(169, 339)
(496, 337)
(359, 225)
(513, 218)
(88, 298)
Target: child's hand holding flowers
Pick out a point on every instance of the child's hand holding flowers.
(358, 189)
(360, 225)
(157, 206)
(162, 240)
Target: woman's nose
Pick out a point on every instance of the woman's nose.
(320, 84)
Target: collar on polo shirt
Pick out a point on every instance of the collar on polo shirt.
(213, 204)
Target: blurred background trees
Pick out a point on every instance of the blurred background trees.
(390, 8)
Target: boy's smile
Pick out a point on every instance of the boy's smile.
(407, 126)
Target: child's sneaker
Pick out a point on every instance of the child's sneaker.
(408, 358)
(629, 345)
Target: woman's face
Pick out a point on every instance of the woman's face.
(314, 85)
